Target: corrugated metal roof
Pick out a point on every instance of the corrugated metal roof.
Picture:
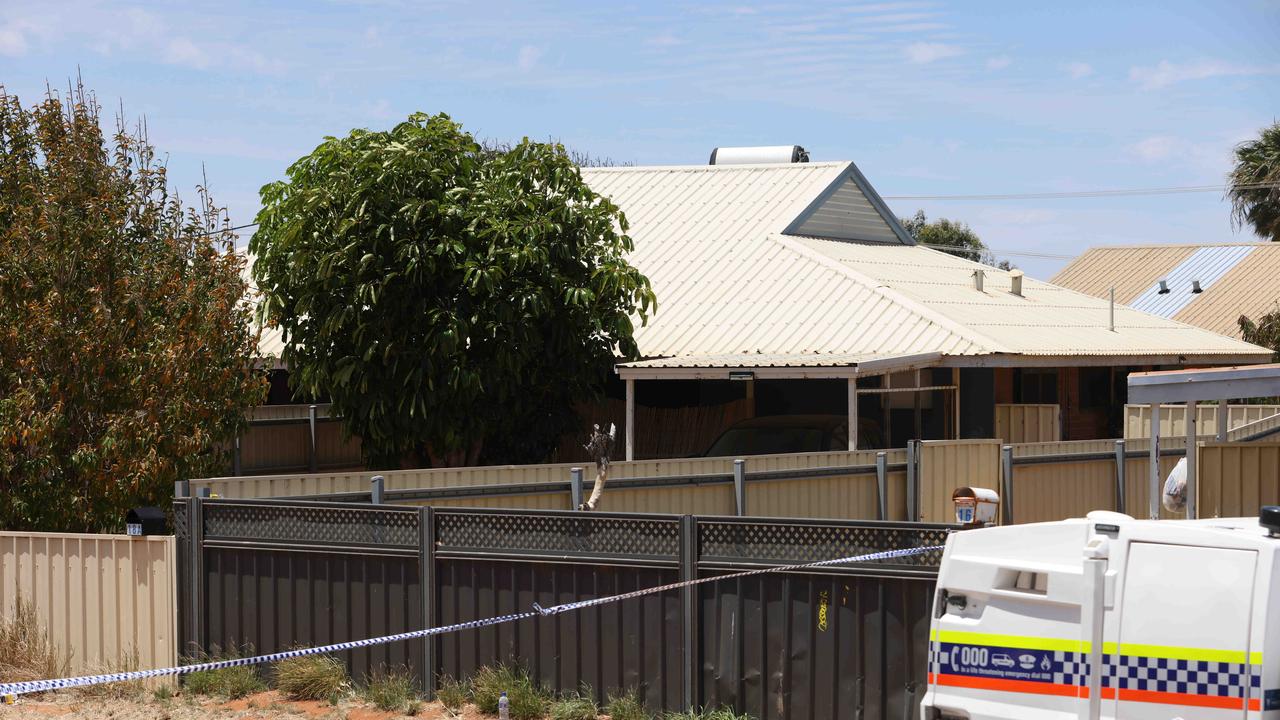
(1044, 320)
(1237, 279)
(705, 237)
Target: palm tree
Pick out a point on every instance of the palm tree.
(1255, 184)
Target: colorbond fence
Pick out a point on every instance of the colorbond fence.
(838, 642)
(104, 599)
(1028, 423)
(1235, 480)
(1173, 419)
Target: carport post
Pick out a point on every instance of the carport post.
(1153, 496)
(1191, 459)
(853, 414)
(311, 445)
(882, 485)
(1120, 480)
(631, 419)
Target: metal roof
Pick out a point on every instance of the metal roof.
(1236, 279)
(816, 365)
(730, 280)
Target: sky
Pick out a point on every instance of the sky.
(928, 98)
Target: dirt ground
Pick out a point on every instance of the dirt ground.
(262, 706)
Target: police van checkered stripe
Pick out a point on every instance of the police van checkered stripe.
(1206, 678)
(9, 690)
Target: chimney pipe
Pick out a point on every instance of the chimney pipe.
(1164, 288)
(977, 280)
(1111, 324)
(1015, 282)
(1195, 287)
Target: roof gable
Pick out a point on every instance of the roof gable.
(850, 209)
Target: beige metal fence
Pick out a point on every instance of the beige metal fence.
(1173, 419)
(946, 465)
(1235, 480)
(107, 600)
(1028, 423)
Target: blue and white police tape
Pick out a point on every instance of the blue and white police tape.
(11, 690)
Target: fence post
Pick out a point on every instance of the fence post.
(311, 452)
(689, 606)
(1120, 486)
(1006, 489)
(913, 481)
(181, 489)
(427, 584)
(205, 492)
(740, 486)
(575, 488)
(882, 485)
(195, 574)
(235, 458)
(375, 492)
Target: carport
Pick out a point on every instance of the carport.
(1191, 387)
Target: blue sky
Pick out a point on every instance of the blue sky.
(929, 98)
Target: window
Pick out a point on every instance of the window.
(1034, 386)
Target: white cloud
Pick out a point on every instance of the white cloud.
(1155, 149)
(528, 58)
(922, 53)
(666, 39)
(13, 40)
(182, 51)
(1166, 73)
(1078, 70)
(999, 63)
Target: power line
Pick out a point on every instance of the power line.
(998, 251)
(1090, 193)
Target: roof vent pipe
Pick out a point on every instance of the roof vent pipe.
(1164, 288)
(977, 280)
(1015, 282)
(1195, 287)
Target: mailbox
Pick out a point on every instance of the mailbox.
(976, 506)
(146, 521)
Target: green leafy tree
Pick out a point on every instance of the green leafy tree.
(125, 349)
(1265, 332)
(944, 234)
(452, 301)
(1254, 184)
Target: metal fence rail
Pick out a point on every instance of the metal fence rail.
(274, 574)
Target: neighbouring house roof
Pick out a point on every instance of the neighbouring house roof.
(802, 264)
(1235, 278)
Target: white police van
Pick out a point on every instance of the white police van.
(1110, 617)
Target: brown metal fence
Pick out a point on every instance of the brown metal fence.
(838, 642)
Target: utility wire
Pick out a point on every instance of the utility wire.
(1091, 193)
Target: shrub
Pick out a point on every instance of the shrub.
(626, 706)
(580, 705)
(390, 690)
(527, 701)
(708, 714)
(453, 694)
(25, 650)
(312, 677)
(229, 682)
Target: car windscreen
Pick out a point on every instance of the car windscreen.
(767, 441)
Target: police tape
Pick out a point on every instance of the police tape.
(9, 691)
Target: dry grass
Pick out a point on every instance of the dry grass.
(313, 677)
(231, 682)
(26, 652)
(390, 690)
(116, 690)
(626, 706)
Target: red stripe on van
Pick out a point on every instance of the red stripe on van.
(1169, 698)
(1018, 686)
